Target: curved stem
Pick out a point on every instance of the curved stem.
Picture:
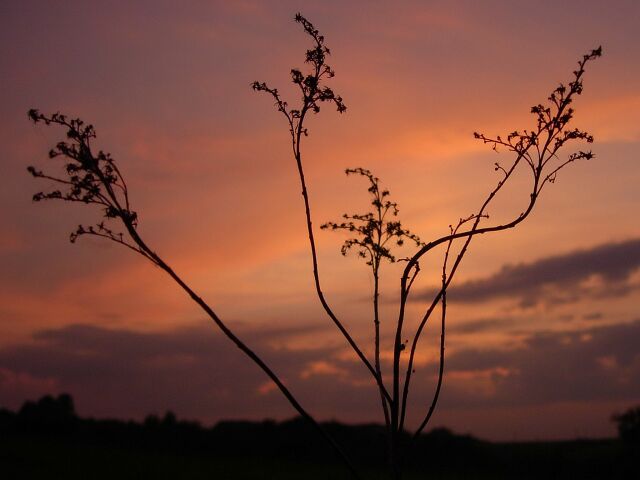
(243, 347)
(404, 291)
(436, 394)
(314, 257)
(470, 235)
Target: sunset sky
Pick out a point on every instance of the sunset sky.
(544, 325)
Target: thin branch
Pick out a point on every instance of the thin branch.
(313, 94)
(550, 124)
(96, 174)
(436, 394)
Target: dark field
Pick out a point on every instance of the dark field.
(47, 441)
(48, 458)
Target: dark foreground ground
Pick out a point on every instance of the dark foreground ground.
(47, 441)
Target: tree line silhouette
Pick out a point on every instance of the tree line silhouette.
(282, 445)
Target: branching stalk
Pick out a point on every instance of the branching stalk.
(95, 179)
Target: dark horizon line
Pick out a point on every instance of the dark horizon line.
(50, 411)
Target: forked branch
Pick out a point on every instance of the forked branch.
(314, 92)
(94, 179)
(538, 149)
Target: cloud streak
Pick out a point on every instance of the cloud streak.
(597, 364)
(194, 371)
(199, 374)
(602, 271)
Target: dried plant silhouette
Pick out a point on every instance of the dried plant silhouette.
(375, 234)
(93, 178)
